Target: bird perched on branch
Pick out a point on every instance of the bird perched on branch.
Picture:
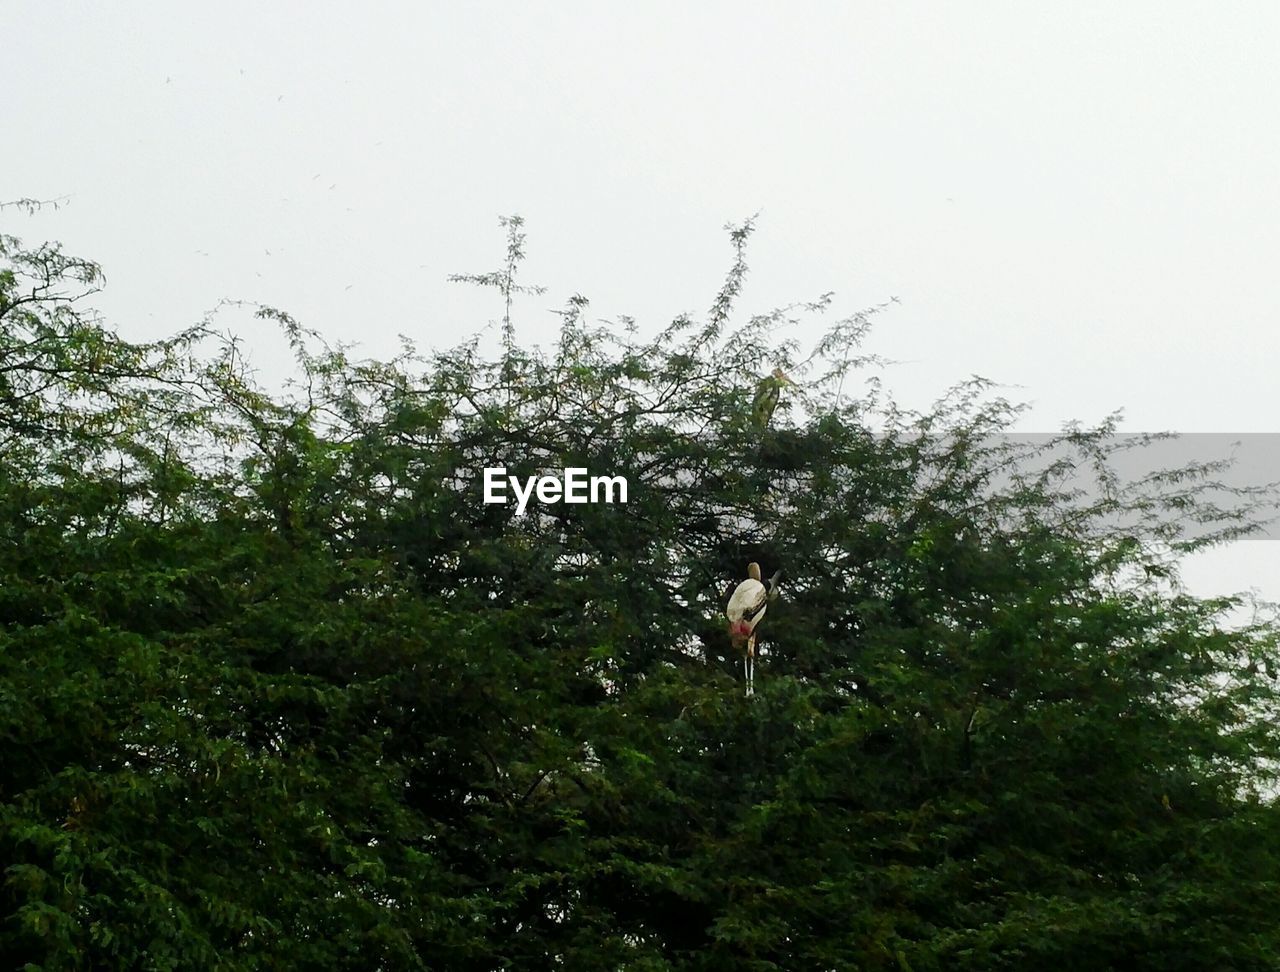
(745, 609)
(768, 393)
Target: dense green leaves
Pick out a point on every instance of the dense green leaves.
(278, 690)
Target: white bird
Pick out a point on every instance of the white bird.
(746, 607)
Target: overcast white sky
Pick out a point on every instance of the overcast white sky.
(1083, 202)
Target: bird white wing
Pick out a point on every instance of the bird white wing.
(748, 602)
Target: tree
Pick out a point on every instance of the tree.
(278, 689)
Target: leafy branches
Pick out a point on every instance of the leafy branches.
(278, 688)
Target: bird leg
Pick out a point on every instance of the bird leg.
(749, 666)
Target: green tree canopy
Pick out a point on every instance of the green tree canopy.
(277, 690)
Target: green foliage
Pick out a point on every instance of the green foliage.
(278, 690)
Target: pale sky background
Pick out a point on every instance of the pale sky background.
(1078, 200)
